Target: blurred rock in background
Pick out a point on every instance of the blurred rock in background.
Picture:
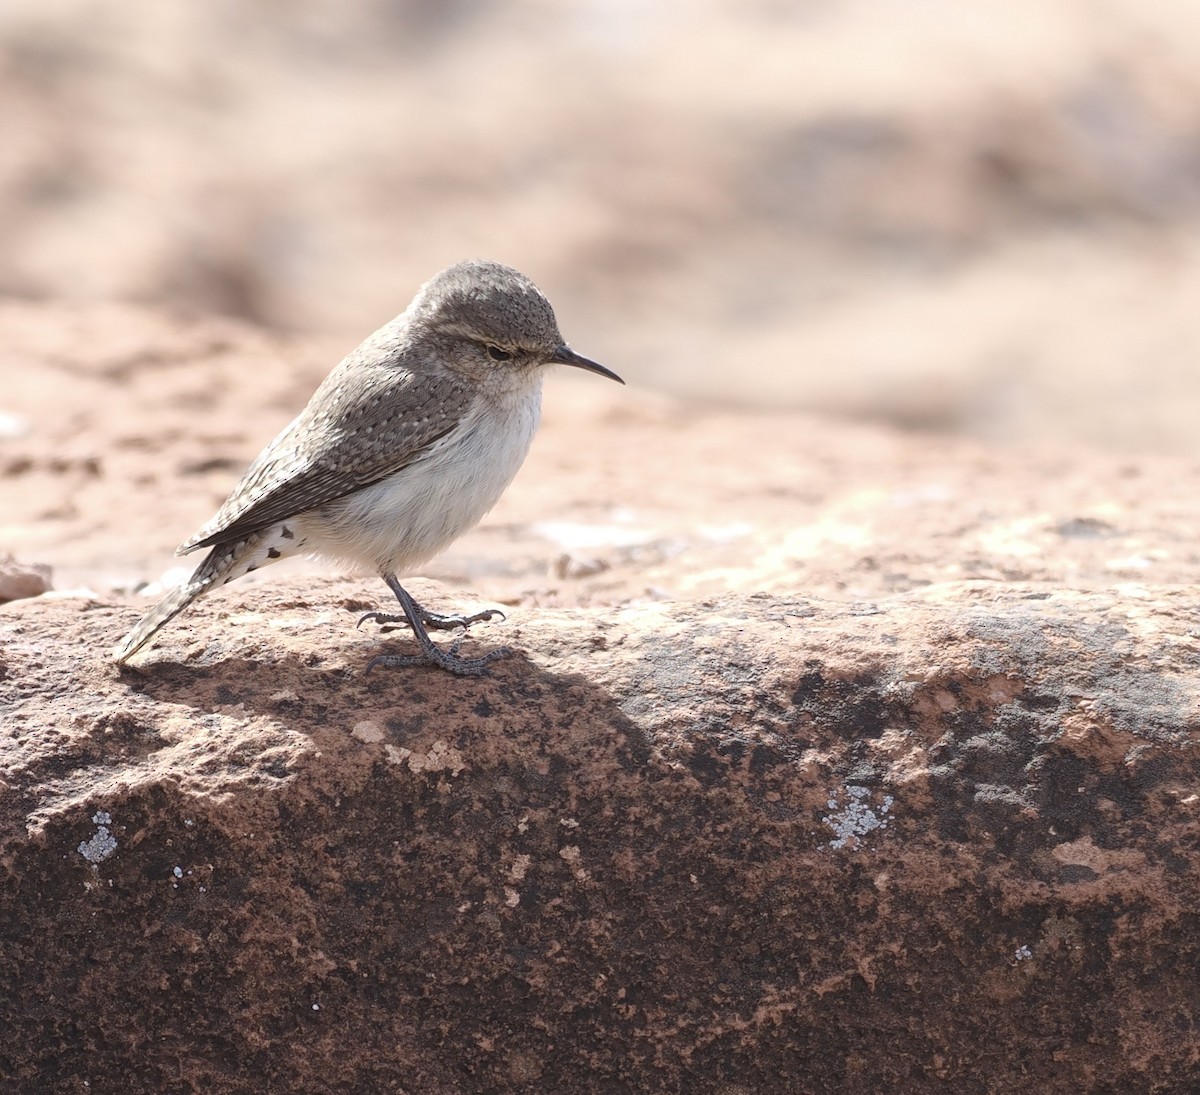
(976, 218)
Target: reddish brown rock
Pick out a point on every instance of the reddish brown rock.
(942, 841)
(830, 760)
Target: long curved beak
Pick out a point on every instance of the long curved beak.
(564, 355)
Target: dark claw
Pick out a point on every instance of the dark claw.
(382, 618)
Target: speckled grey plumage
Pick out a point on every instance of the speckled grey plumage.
(406, 444)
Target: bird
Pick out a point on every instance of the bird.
(406, 444)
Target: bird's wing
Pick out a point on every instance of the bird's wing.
(349, 436)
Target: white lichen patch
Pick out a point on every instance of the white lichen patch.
(103, 843)
(855, 817)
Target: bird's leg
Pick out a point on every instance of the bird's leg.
(434, 620)
(431, 654)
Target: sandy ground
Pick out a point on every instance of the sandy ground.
(131, 426)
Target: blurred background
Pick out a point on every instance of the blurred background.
(975, 218)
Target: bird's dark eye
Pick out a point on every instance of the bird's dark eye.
(497, 353)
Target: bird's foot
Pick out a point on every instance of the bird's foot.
(420, 620)
(436, 621)
(448, 660)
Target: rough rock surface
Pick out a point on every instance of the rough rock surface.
(831, 760)
(18, 580)
(942, 842)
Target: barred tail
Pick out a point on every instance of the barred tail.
(206, 575)
(222, 565)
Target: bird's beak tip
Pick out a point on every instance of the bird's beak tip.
(564, 355)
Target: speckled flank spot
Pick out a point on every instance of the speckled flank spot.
(273, 553)
(287, 533)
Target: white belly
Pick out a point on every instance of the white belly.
(397, 523)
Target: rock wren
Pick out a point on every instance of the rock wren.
(409, 441)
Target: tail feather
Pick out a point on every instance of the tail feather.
(163, 612)
(216, 565)
(223, 564)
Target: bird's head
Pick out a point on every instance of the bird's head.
(490, 323)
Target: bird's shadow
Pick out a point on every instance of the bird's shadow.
(319, 695)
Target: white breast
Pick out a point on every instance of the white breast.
(399, 522)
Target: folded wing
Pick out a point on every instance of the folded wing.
(366, 428)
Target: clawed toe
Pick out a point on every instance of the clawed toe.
(434, 620)
(383, 618)
(447, 623)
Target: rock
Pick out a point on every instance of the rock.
(942, 840)
(860, 761)
(143, 422)
(19, 580)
